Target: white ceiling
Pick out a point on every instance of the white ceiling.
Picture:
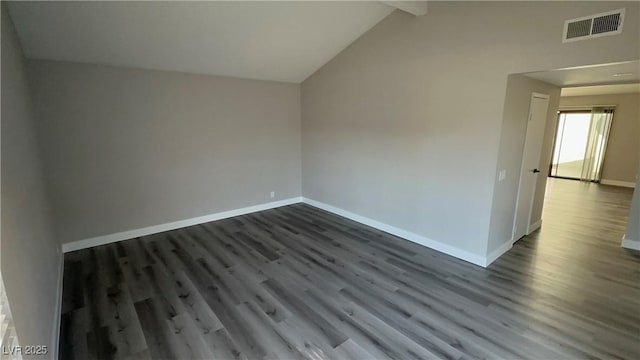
(591, 75)
(601, 90)
(282, 41)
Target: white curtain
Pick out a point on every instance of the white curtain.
(596, 143)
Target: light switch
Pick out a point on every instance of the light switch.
(502, 175)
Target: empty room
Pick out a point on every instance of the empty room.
(320, 180)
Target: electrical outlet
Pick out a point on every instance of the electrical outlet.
(273, 194)
(502, 175)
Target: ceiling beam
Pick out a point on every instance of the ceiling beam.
(416, 8)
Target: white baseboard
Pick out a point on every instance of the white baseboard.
(628, 184)
(419, 239)
(130, 234)
(495, 254)
(58, 311)
(476, 259)
(534, 226)
(630, 244)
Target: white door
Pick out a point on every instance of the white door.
(530, 171)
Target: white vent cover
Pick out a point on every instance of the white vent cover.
(593, 26)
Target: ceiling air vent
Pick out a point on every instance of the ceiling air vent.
(589, 27)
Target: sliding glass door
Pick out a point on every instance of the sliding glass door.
(580, 143)
(571, 142)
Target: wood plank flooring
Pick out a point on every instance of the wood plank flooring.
(299, 283)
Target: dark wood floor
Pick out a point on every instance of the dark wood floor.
(297, 282)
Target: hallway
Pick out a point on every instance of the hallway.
(583, 217)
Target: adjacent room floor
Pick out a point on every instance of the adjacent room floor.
(298, 282)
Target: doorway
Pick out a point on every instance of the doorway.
(580, 143)
(572, 89)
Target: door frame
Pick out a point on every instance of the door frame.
(522, 169)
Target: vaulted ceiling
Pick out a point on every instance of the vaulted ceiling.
(282, 41)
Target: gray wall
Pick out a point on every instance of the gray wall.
(30, 254)
(127, 148)
(622, 158)
(512, 138)
(404, 125)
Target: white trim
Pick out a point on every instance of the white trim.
(534, 226)
(418, 239)
(130, 234)
(58, 311)
(630, 244)
(628, 184)
(495, 254)
(539, 96)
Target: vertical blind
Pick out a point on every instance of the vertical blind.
(599, 128)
